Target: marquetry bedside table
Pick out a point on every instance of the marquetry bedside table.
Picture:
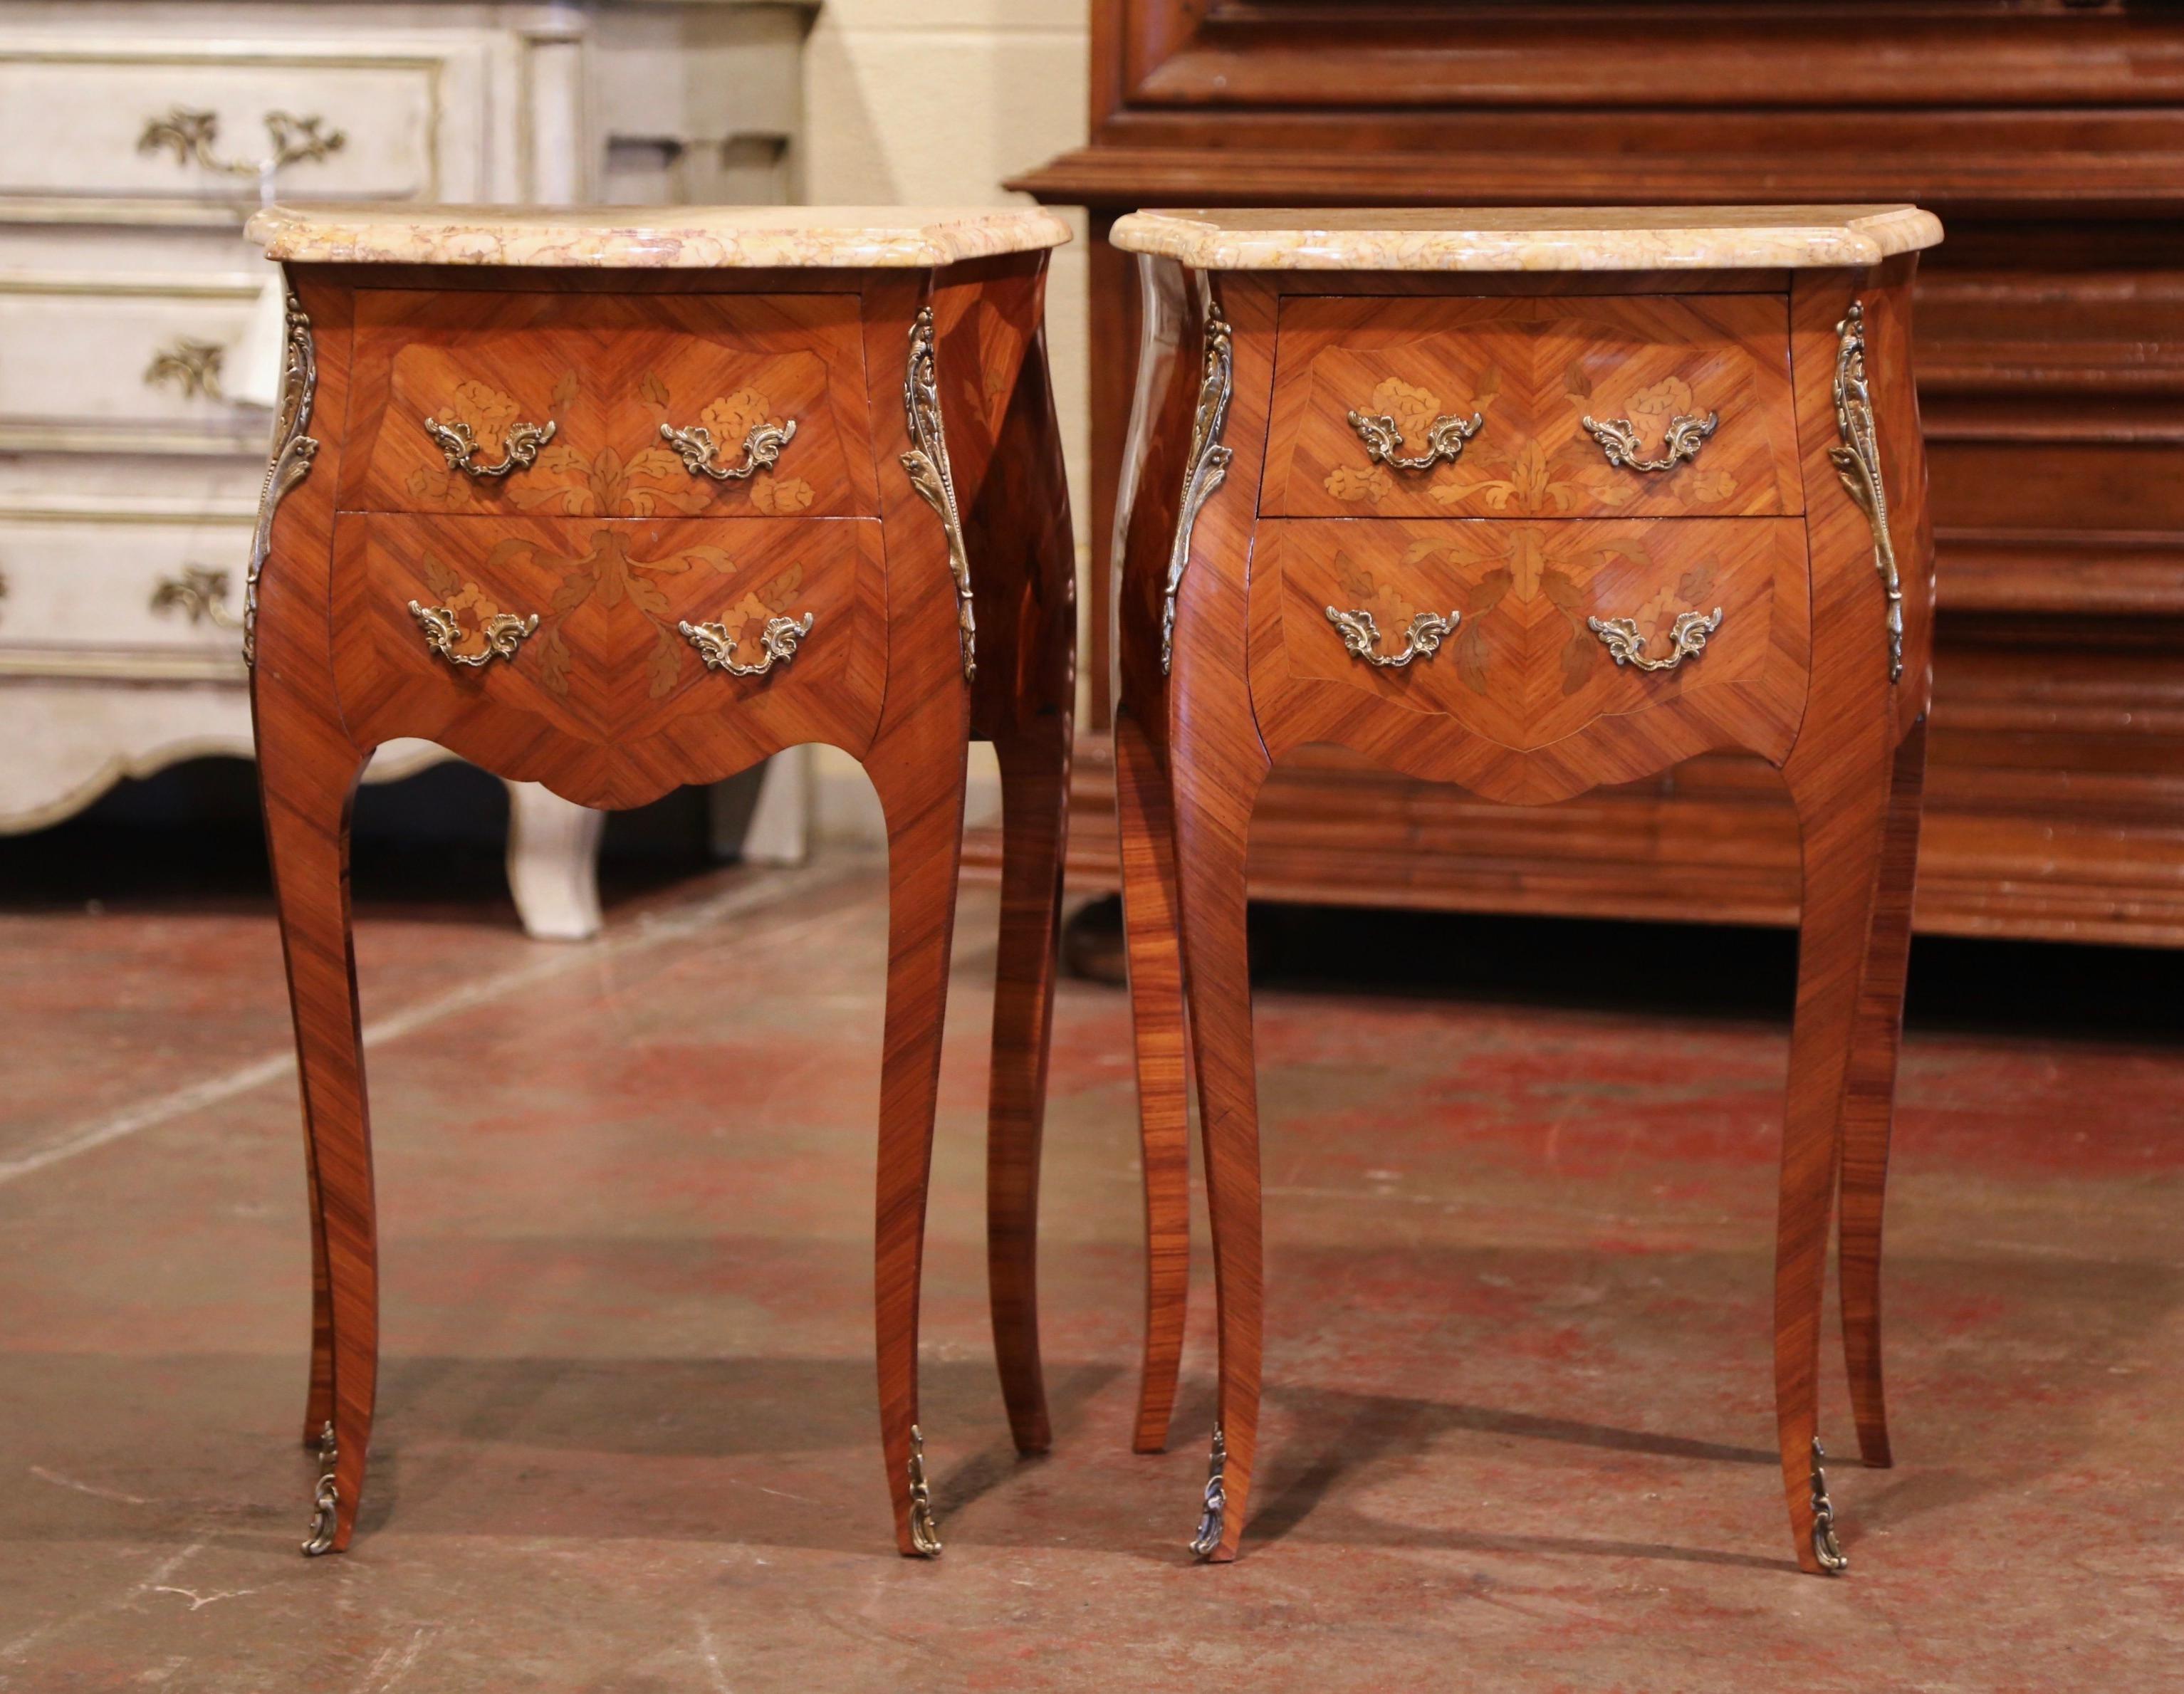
(1528, 501)
(614, 501)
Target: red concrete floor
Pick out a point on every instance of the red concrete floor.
(1519, 1390)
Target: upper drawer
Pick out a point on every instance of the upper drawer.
(1692, 390)
(609, 373)
(107, 361)
(186, 121)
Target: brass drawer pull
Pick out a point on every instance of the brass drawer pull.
(1361, 636)
(504, 633)
(189, 134)
(1444, 439)
(717, 648)
(519, 448)
(199, 593)
(761, 449)
(1618, 439)
(1687, 639)
(192, 366)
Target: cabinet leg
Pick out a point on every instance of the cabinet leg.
(1034, 828)
(1868, 1099)
(553, 863)
(1842, 817)
(1145, 823)
(308, 786)
(922, 799)
(1212, 822)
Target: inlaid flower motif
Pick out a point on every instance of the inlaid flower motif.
(1669, 398)
(1414, 409)
(473, 606)
(1359, 483)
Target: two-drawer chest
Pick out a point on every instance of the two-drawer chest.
(615, 502)
(1529, 502)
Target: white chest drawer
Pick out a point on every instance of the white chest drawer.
(178, 122)
(113, 359)
(143, 593)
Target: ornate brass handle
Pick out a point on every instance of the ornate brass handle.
(761, 449)
(199, 593)
(717, 648)
(519, 448)
(1444, 439)
(192, 366)
(504, 633)
(1362, 636)
(1687, 639)
(1857, 462)
(1618, 439)
(189, 134)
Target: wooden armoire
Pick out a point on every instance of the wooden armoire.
(2048, 134)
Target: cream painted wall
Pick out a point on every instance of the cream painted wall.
(933, 102)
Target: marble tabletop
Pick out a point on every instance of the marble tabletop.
(1531, 238)
(652, 237)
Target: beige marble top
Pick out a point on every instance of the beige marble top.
(652, 237)
(1528, 238)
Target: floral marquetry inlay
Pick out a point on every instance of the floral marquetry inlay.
(642, 478)
(607, 575)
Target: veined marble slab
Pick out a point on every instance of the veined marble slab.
(1530, 238)
(665, 238)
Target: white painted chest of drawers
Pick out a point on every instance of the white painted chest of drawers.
(136, 136)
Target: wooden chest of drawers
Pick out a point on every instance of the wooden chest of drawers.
(614, 504)
(1529, 502)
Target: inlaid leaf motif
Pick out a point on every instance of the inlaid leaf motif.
(650, 387)
(776, 594)
(1488, 390)
(1492, 586)
(1471, 657)
(1356, 583)
(560, 482)
(716, 557)
(1531, 486)
(1561, 591)
(1710, 485)
(442, 581)
(1579, 659)
(1576, 384)
(656, 462)
(437, 489)
(564, 392)
(664, 668)
(551, 665)
(576, 586)
(1696, 584)
(779, 496)
(1610, 485)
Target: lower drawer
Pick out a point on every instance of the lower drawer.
(121, 585)
(518, 641)
(1525, 634)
